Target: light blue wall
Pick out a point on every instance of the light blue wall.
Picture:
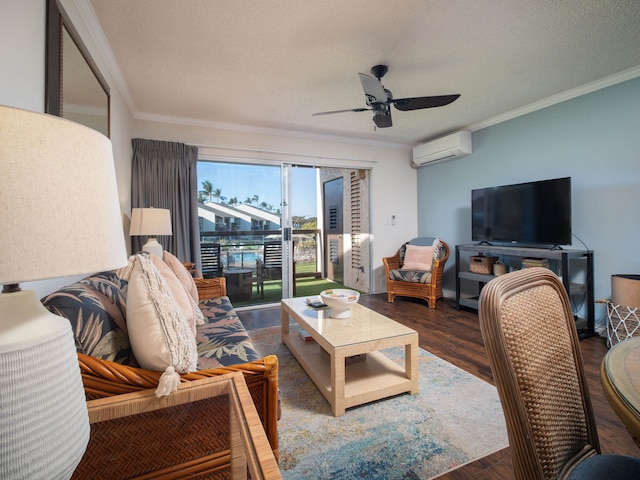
(594, 139)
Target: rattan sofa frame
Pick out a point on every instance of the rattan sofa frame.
(102, 378)
(190, 423)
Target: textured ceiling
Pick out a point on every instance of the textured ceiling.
(272, 63)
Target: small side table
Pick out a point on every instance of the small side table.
(239, 284)
(122, 430)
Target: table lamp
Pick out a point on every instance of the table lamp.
(60, 217)
(151, 222)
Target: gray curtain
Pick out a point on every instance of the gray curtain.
(164, 175)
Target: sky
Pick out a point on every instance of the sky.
(244, 181)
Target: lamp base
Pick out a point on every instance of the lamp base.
(152, 246)
(43, 412)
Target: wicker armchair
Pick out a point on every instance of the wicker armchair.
(431, 290)
(532, 344)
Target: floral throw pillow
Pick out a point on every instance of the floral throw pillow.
(96, 308)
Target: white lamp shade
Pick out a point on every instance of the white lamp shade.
(150, 221)
(58, 198)
(60, 217)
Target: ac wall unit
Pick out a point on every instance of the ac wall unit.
(455, 145)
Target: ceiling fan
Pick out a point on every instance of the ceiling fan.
(380, 99)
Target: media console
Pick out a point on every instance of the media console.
(564, 260)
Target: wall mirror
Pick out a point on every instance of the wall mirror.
(74, 87)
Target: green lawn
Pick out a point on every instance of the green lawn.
(305, 287)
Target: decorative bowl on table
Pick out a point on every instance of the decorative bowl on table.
(340, 301)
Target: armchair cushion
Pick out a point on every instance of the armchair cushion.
(415, 276)
(412, 257)
(418, 258)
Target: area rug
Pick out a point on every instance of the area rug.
(455, 419)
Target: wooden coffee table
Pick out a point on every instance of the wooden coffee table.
(343, 358)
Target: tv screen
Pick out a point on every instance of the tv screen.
(536, 213)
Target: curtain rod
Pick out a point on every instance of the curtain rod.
(275, 152)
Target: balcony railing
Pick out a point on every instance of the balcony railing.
(241, 249)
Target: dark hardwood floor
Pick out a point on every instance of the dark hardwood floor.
(455, 336)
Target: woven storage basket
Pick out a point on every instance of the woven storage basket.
(623, 323)
(482, 264)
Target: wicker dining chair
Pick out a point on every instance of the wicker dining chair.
(530, 336)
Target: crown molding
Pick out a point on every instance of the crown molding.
(192, 122)
(605, 82)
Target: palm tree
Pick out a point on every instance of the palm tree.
(233, 201)
(248, 201)
(217, 193)
(254, 199)
(206, 192)
(264, 205)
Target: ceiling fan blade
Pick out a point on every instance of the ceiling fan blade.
(341, 111)
(416, 103)
(373, 89)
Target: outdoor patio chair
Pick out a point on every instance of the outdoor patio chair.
(269, 267)
(211, 261)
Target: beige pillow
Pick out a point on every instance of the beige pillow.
(182, 273)
(189, 284)
(192, 312)
(159, 333)
(418, 258)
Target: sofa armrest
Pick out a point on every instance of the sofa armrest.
(102, 378)
(211, 287)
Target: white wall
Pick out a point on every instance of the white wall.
(22, 24)
(22, 83)
(393, 181)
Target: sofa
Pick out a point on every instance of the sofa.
(96, 306)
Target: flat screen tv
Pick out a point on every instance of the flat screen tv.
(533, 213)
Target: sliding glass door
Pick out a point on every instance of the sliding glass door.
(266, 227)
(240, 215)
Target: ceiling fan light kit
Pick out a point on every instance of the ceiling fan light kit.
(379, 99)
